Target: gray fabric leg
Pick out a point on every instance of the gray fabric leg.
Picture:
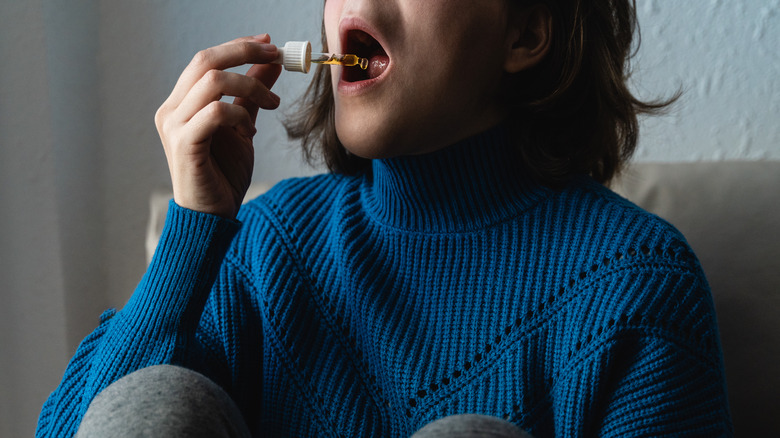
(470, 426)
(163, 400)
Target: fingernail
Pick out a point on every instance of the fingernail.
(275, 97)
(268, 47)
(262, 36)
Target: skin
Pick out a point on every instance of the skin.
(207, 142)
(434, 92)
(446, 61)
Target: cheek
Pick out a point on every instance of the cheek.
(466, 23)
(331, 16)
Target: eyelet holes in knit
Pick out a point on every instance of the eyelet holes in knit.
(607, 327)
(477, 358)
(643, 250)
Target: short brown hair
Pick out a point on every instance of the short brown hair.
(571, 114)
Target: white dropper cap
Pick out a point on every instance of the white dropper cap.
(295, 56)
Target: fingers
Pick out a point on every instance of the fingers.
(208, 142)
(253, 93)
(267, 75)
(215, 115)
(247, 50)
(203, 83)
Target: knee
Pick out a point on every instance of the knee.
(163, 400)
(154, 388)
(470, 426)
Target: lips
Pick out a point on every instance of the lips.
(361, 43)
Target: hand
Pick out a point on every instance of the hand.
(208, 142)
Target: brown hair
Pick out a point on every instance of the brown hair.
(571, 114)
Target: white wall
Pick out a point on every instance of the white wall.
(80, 81)
(725, 55)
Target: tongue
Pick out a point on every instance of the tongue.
(377, 65)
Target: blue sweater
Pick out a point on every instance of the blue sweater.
(432, 285)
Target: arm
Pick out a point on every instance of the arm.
(655, 369)
(156, 326)
(643, 382)
(662, 387)
(208, 145)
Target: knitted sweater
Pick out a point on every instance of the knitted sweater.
(432, 285)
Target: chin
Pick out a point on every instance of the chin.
(376, 139)
(369, 149)
(369, 140)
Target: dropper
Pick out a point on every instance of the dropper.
(297, 56)
(343, 60)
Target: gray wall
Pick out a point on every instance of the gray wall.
(80, 81)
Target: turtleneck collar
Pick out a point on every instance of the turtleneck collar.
(467, 186)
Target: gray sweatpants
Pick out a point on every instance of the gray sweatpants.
(170, 401)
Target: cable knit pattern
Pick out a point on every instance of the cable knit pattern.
(432, 285)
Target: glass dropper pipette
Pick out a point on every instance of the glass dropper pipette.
(297, 56)
(345, 60)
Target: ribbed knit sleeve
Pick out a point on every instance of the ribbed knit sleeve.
(156, 326)
(642, 356)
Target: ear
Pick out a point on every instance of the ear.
(528, 38)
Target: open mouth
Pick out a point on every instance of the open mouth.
(364, 45)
